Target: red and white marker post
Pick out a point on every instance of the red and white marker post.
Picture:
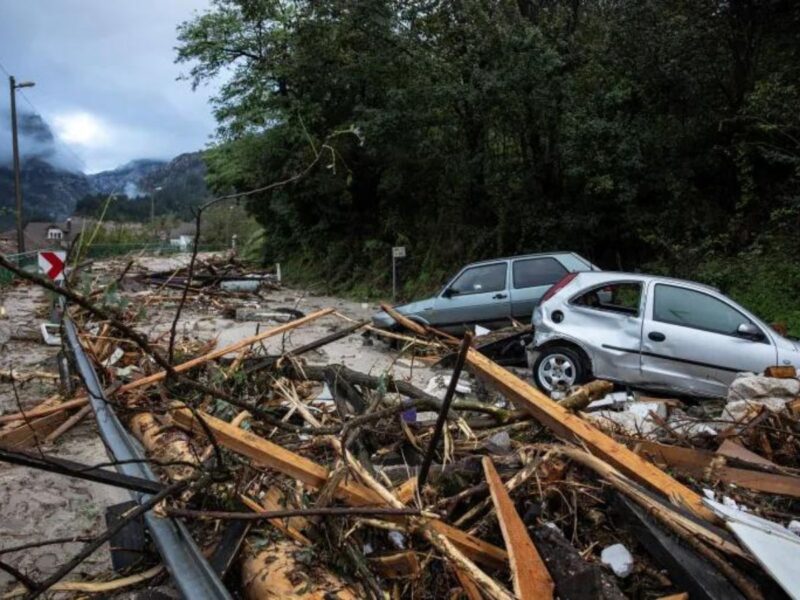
(51, 262)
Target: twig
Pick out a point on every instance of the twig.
(90, 548)
(25, 418)
(29, 583)
(64, 540)
(448, 398)
(328, 511)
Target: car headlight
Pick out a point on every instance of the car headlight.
(538, 315)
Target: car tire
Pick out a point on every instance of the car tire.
(559, 367)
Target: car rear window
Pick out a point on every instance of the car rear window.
(622, 297)
(533, 272)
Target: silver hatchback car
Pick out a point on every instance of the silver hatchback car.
(650, 332)
(490, 292)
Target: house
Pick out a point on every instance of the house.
(44, 235)
(182, 235)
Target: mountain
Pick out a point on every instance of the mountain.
(183, 176)
(49, 192)
(125, 179)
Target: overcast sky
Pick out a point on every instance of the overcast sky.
(105, 77)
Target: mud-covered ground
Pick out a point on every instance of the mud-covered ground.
(35, 505)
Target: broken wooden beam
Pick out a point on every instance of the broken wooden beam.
(404, 321)
(264, 453)
(35, 429)
(781, 372)
(708, 466)
(571, 427)
(531, 579)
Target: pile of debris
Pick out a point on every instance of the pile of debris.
(311, 481)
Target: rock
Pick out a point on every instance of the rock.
(739, 409)
(794, 527)
(619, 559)
(437, 385)
(752, 387)
(500, 442)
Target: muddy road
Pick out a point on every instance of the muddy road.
(35, 505)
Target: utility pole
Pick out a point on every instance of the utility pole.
(14, 86)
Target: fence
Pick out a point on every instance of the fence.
(29, 260)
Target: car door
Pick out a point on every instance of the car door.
(478, 294)
(530, 279)
(607, 319)
(690, 341)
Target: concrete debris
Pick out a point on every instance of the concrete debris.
(437, 386)
(619, 559)
(750, 387)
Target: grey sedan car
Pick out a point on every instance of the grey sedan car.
(490, 292)
(649, 332)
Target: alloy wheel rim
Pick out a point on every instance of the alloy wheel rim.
(557, 371)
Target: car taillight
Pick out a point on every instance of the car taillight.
(557, 286)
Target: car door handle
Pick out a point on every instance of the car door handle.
(656, 336)
(499, 296)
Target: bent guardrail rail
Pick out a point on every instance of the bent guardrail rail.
(186, 564)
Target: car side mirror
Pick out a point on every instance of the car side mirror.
(749, 331)
(449, 292)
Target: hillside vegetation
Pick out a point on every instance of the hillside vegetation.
(652, 135)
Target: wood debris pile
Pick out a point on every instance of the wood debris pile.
(319, 481)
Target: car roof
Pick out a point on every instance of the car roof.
(608, 276)
(534, 255)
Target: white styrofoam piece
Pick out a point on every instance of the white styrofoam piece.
(619, 558)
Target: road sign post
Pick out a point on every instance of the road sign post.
(51, 263)
(397, 252)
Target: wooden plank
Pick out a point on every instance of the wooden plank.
(23, 436)
(286, 529)
(571, 427)
(267, 454)
(404, 321)
(468, 586)
(531, 579)
(706, 466)
(731, 449)
(781, 372)
(189, 364)
(68, 424)
(47, 410)
(397, 565)
(405, 491)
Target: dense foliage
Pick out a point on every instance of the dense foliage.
(644, 134)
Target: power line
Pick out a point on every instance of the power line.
(38, 113)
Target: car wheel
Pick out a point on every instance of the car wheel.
(558, 368)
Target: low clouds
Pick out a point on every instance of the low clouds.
(105, 79)
(36, 140)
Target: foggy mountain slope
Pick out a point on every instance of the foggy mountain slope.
(53, 180)
(125, 179)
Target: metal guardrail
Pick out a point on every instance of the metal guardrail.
(188, 567)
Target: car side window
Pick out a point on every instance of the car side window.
(622, 297)
(680, 306)
(478, 280)
(533, 272)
